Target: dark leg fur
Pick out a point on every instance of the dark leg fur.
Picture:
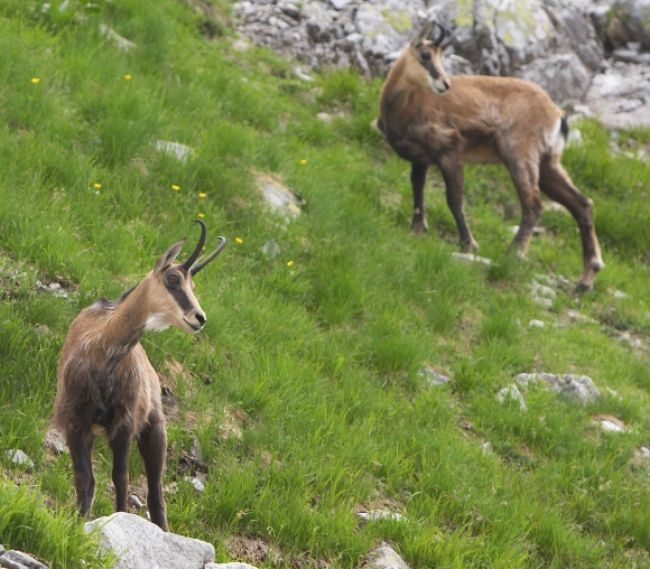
(84, 482)
(418, 180)
(153, 448)
(120, 444)
(452, 172)
(526, 181)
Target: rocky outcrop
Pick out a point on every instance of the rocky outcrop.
(139, 544)
(566, 46)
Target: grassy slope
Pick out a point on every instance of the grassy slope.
(320, 358)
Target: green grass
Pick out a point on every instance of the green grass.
(319, 360)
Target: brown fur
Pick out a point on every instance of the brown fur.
(107, 386)
(481, 119)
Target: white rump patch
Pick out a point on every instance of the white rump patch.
(156, 322)
(557, 139)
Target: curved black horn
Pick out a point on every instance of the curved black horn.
(441, 35)
(187, 265)
(211, 257)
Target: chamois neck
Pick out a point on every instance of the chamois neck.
(127, 320)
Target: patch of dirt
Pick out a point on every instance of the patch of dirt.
(257, 551)
(232, 425)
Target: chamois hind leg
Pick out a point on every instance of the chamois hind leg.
(80, 445)
(452, 172)
(152, 443)
(418, 179)
(120, 443)
(525, 177)
(557, 185)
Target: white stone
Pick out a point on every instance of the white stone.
(120, 42)
(196, 482)
(379, 515)
(511, 393)
(139, 544)
(271, 249)
(181, 152)
(384, 557)
(470, 258)
(55, 441)
(536, 324)
(19, 458)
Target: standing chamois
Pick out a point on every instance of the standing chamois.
(429, 118)
(107, 386)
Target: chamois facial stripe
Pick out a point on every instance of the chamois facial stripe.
(181, 298)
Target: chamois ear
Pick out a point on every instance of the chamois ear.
(167, 258)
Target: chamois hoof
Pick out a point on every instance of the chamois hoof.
(419, 227)
(469, 247)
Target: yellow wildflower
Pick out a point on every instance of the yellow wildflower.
(201, 215)
(127, 77)
(97, 186)
(202, 195)
(239, 241)
(303, 162)
(289, 264)
(176, 187)
(36, 80)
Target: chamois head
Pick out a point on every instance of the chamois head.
(427, 48)
(172, 289)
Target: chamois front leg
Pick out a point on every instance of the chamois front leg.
(153, 448)
(80, 445)
(120, 444)
(418, 180)
(452, 172)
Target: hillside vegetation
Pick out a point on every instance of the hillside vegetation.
(303, 390)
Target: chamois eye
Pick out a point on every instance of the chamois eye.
(425, 54)
(172, 280)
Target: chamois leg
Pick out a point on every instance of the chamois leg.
(418, 179)
(526, 180)
(80, 446)
(153, 448)
(120, 444)
(557, 185)
(452, 172)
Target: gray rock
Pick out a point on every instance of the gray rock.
(536, 324)
(511, 393)
(196, 483)
(18, 560)
(634, 16)
(580, 388)
(339, 4)
(384, 557)
(563, 76)
(139, 544)
(278, 197)
(619, 96)
(432, 377)
(271, 249)
(19, 458)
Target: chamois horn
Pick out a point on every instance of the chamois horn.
(187, 265)
(211, 257)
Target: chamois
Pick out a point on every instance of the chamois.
(107, 386)
(429, 118)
